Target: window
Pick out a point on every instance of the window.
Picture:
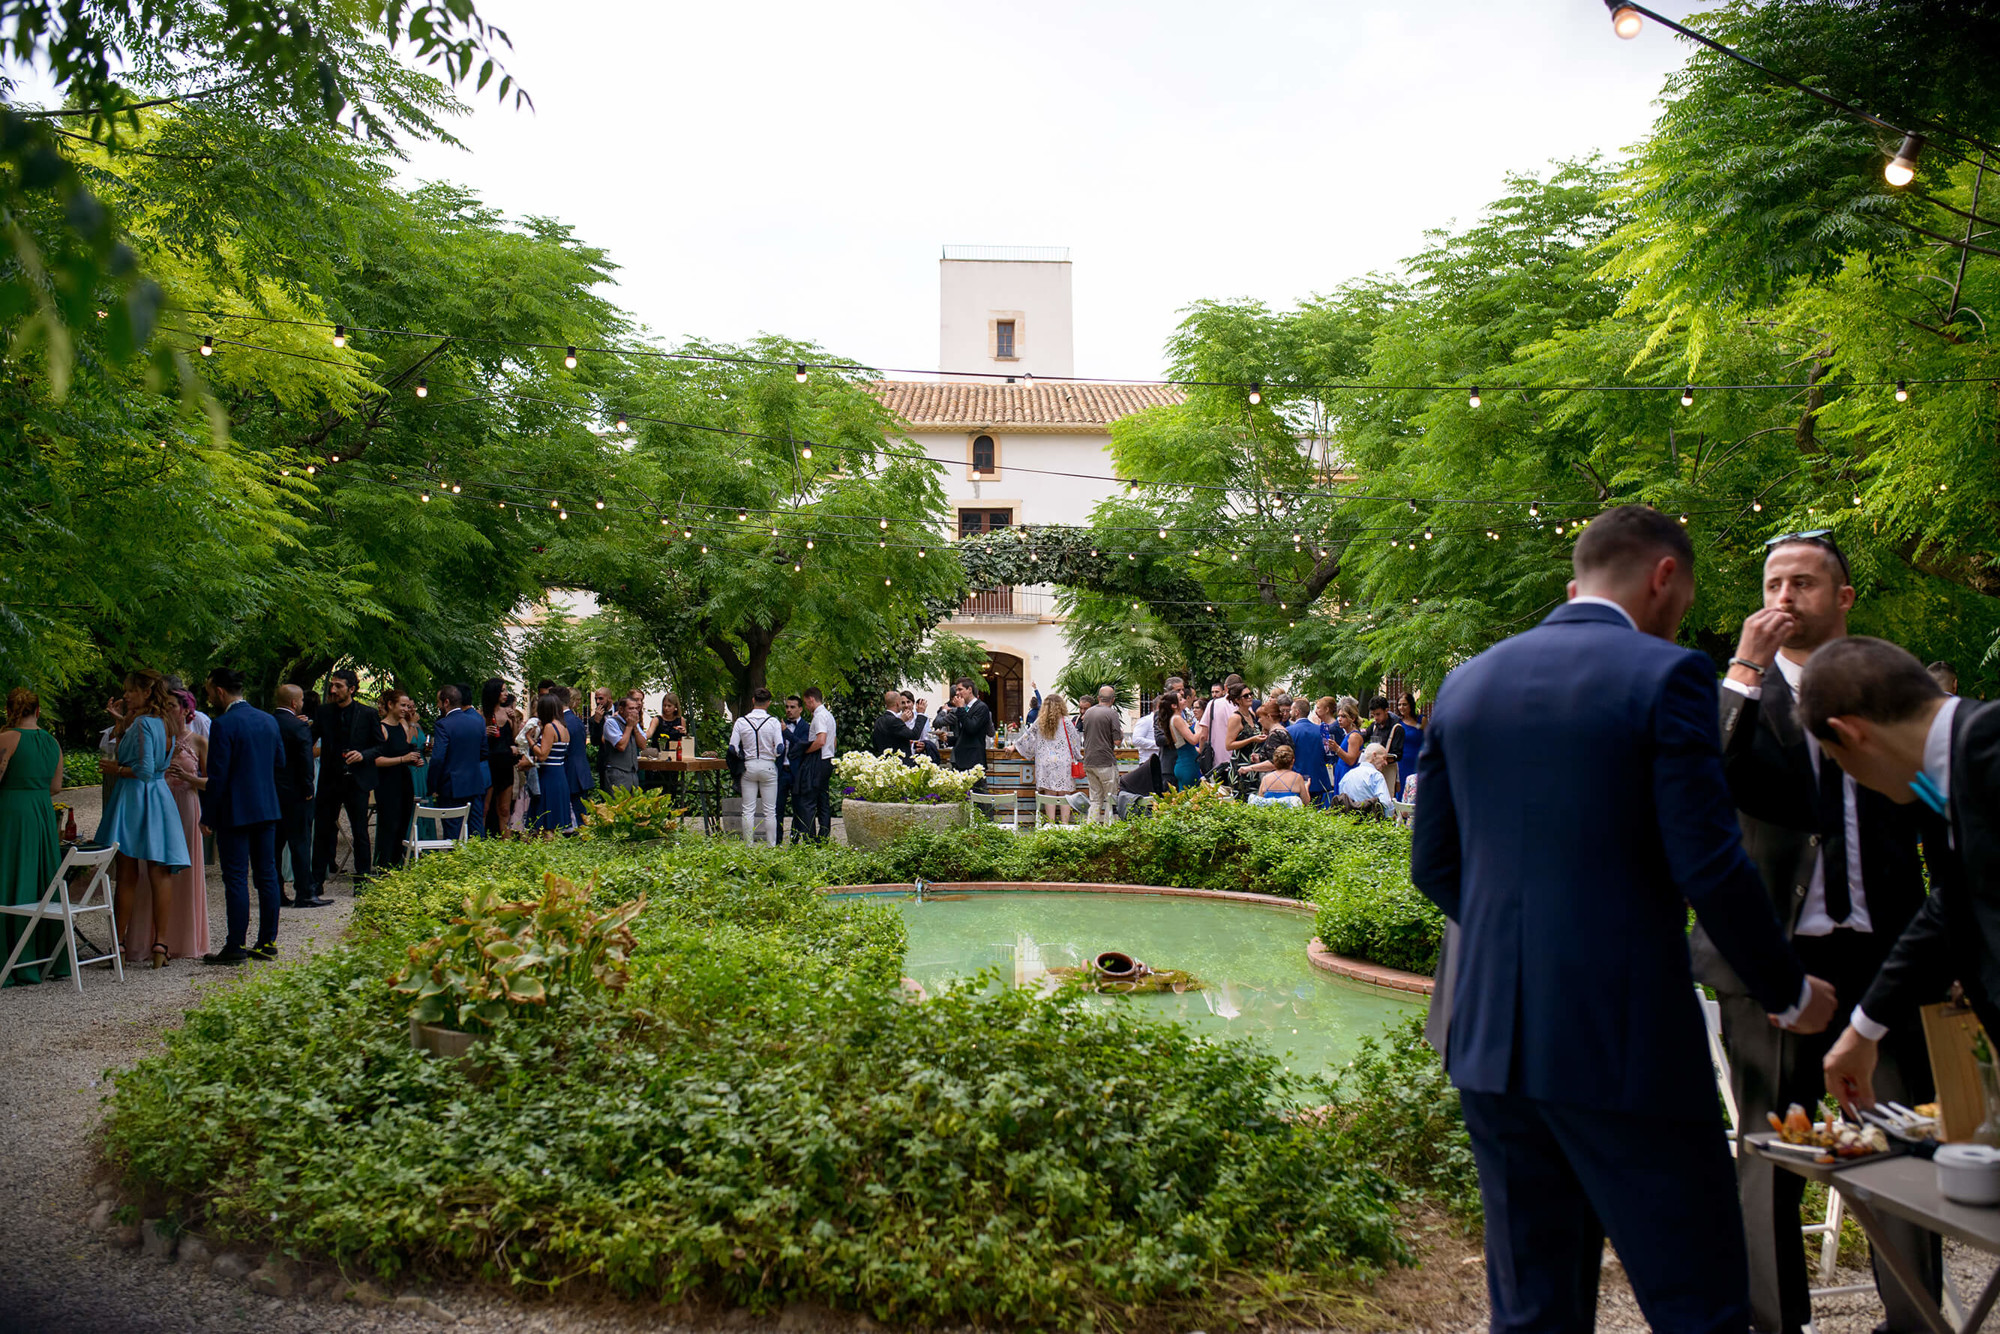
(971, 523)
(1003, 338)
(983, 454)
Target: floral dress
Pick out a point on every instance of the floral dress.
(1052, 756)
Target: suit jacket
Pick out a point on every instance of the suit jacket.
(1771, 780)
(458, 756)
(1957, 932)
(798, 735)
(891, 734)
(361, 730)
(577, 762)
(244, 755)
(1569, 867)
(970, 726)
(295, 764)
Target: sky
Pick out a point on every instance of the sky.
(796, 169)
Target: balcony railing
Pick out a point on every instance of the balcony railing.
(1010, 603)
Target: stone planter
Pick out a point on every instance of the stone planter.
(870, 824)
(446, 1043)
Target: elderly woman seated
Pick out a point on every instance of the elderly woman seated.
(1365, 781)
(1281, 787)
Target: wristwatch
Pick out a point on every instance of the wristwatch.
(1745, 662)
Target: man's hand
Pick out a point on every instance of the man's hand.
(1819, 1009)
(1850, 1070)
(352, 757)
(1764, 633)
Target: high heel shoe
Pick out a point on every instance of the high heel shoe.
(161, 955)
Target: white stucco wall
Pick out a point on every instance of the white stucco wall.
(1034, 294)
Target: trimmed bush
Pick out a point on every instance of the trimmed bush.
(1380, 918)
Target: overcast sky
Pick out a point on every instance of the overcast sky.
(794, 168)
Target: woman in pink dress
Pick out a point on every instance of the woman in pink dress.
(187, 930)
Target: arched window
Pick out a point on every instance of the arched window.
(983, 454)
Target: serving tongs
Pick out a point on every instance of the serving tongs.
(1899, 1121)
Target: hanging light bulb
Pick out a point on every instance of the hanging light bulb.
(552, 504)
(455, 488)
(884, 524)
(340, 335)
(1472, 399)
(795, 567)
(569, 358)
(423, 387)
(1625, 20)
(687, 535)
(885, 583)
(1256, 391)
(1857, 497)
(425, 496)
(809, 544)
(1687, 395)
(884, 545)
(208, 345)
(331, 458)
(741, 515)
(1028, 379)
(799, 373)
(620, 424)
(807, 452)
(1392, 542)
(1902, 392)
(1684, 519)
(1210, 607)
(1197, 551)
(1534, 511)
(1902, 168)
(562, 514)
(1941, 486)
(1428, 534)
(663, 521)
(920, 553)
(1093, 551)
(1131, 555)
(1756, 507)
(600, 502)
(774, 532)
(704, 551)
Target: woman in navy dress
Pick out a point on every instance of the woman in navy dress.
(552, 807)
(140, 815)
(1412, 724)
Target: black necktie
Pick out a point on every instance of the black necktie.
(1833, 840)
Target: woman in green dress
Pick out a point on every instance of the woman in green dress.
(31, 773)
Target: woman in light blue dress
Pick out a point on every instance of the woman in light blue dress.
(141, 815)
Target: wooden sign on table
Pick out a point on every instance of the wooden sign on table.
(1949, 1031)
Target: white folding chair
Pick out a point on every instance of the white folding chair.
(1402, 812)
(1828, 1230)
(56, 903)
(414, 847)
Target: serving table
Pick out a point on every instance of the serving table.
(703, 784)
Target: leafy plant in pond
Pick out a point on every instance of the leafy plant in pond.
(631, 815)
(501, 955)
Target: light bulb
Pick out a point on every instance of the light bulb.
(687, 535)
(1902, 392)
(620, 423)
(799, 373)
(741, 515)
(921, 553)
(1756, 507)
(335, 458)
(1941, 486)
(885, 583)
(569, 358)
(1684, 519)
(340, 335)
(704, 551)
(552, 504)
(1256, 392)
(663, 521)
(1028, 379)
(885, 524)
(208, 345)
(1427, 534)
(455, 488)
(1857, 497)
(1131, 555)
(795, 567)
(1534, 511)
(809, 545)
(600, 501)
(1902, 168)
(1472, 399)
(807, 452)
(425, 497)
(423, 387)
(1163, 534)
(1209, 608)
(1625, 20)
(1687, 395)
(1197, 551)
(562, 514)
(310, 470)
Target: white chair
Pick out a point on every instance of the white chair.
(1828, 1230)
(414, 847)
(1403, 812)
(56, 903)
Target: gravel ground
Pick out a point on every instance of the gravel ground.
(60, 1274)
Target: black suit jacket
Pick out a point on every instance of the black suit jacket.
(892, 735)
(360, 730)
(970, 726)
(295, 757)
(1771, 780)
(1957, 934)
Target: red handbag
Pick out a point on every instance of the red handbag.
(1075, 760)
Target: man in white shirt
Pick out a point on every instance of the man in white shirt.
(812, 806)
(1366, 781)
(1841, 867)
(760, 740)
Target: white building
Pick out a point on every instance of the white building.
(1016, 450)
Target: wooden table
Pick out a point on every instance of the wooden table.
(704, 783)
(1904, 1188)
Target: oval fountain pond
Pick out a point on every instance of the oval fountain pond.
(1250, 957)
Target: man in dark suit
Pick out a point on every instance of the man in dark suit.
(1840, 866)
(577, 762)
(798, 731)
(971, 726)
(241, 805)
(1884, 720)
(295, 796)
(891, 735)
(1576, 1041)
(458, 773)
(350, 737)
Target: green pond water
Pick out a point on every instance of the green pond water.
(1250, 958)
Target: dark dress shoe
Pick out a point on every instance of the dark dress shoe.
(308, 903)
(284, 902)
(267, 950)
(229, 956)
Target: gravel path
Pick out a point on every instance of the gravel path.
(60, 1274)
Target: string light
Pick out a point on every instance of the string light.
(562, 514)
(921, 553)
(1687, 395)
(569, 358)
(620, 424)
(1857, 497)
(1756, 507)
(1163, 534)
(552, 504)
(1902, 168)
(742, 515)
(799, 373)
(340, 335)
(455, 489)
(1472, 399)
(208, 345)
(1902, 392)
(425, 497)
(600, 502)
(1625, 20)
(1428, 534)
(1535, 511)
(885, 583)
(807, 452)
(885, 525)
(809, 545)
(1684, 519)
(1256, 391)
(423, 387)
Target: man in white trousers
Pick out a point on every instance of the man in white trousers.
(759, 739)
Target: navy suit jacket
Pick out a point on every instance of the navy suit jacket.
(1570, 807)
(244, 754)
(458, 756)
(577, 762)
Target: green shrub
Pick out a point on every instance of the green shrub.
(631, 815)
(82, 768)
(1394, 1108)
(1380, 918)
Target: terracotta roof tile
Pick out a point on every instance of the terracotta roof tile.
(1049, 407)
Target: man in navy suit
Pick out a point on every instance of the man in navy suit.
(241, 805)
(458, 770)
(577, 762)
(1575, 1038)
(295, 796)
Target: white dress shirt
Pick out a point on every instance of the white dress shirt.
(1364, 782)
(1592, 600)
(822, 722)
(1144, 739)
(753, 740)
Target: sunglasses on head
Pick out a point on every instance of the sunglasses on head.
(1818, 537)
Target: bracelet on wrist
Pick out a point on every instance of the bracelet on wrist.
(1749, 665)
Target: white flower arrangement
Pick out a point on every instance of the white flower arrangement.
(865, 777)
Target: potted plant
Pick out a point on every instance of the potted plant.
(501, 960)
(881, 796)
